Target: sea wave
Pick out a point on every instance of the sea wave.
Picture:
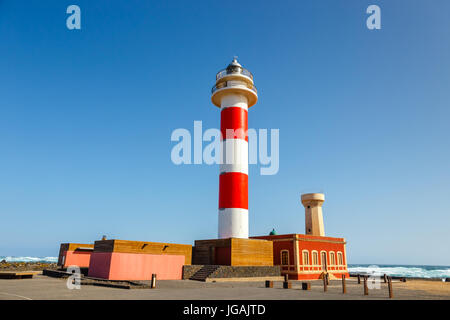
(403, 271)
(29, 259)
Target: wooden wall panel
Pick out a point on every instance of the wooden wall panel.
(222, 256)
(234, 252)
(201, 255)
(214, 242)
(126, 246)
(251, 252)
(205, 251)
(104, 246)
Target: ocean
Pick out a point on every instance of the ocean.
(29, 259)
(411, 271)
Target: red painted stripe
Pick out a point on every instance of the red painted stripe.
(233, 190)
(234, 118)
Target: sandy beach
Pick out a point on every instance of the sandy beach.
(438, 288)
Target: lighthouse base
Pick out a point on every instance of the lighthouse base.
(233, 252)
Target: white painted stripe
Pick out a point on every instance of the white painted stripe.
(234, 155)
(233, 223)
(15, 295)
(234, 100)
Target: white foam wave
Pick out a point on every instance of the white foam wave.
(404, 271)
(28, 259)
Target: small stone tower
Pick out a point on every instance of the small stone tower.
(313, 213)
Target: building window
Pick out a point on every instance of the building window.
(323, 259)
(305, 257)
(284, 257)
(332, 258)
(315, 258)
(340, 260)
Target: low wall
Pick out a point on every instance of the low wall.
(190, 270)
(235, 272)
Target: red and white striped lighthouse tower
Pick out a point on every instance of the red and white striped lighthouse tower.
(234, 93)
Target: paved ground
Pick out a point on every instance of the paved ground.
(43, 287)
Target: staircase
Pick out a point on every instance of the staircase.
(204, 272)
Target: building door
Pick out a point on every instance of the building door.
(324, 261)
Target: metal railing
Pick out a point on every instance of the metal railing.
(241, 84)
(225, 72)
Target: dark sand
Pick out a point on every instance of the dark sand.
(26, 266)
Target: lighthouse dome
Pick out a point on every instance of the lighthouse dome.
(234, 66)
(234, 79)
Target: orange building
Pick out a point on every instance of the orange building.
(75, 254)
(308, 256)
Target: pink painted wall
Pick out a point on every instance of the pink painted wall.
(77, 258)
(135, 266)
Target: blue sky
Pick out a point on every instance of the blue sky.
(86, 118)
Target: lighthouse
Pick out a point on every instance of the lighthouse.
(234, 93)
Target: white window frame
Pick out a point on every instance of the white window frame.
(312, 257)
(303, 258)
(341, 260)
(332, 263)
(326, 257)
